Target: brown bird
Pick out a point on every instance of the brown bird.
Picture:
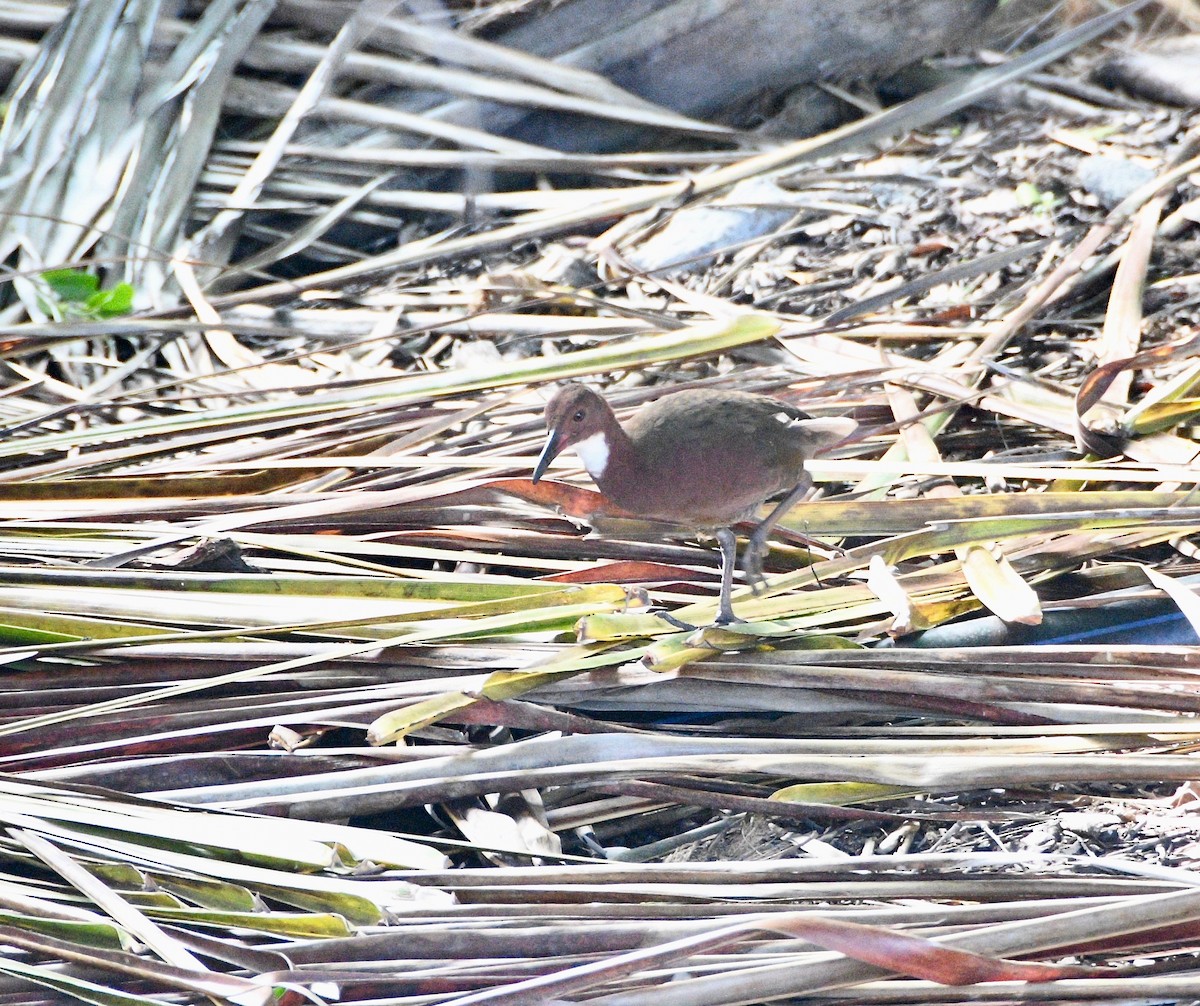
(702, 458)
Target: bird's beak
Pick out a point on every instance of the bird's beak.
(549, 453)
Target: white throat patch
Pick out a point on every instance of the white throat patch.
(593, 452)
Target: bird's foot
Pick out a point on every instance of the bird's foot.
(752, 563)
(671, 620)
(723, 619)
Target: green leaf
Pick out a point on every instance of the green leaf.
(71, 285)
(110, 303)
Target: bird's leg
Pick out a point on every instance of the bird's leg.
(728, 542)
(756, 547)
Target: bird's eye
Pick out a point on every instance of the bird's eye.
(578, 417)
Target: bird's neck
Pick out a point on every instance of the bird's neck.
(595, 453)
(607, 454)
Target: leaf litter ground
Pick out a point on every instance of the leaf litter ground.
(263, 545)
